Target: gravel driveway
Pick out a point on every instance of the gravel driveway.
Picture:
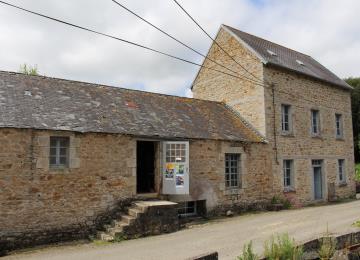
(226, 236)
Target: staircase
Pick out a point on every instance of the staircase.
(142, 218)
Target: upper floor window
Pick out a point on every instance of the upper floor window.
(232, 170)
(341, 171)
(59, 152)
(315, 122)
(288, 171)
(286, 118)
(339, 126)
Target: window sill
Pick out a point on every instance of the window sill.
(284, 134)
(289, 190)
(232, 190)
(342, 184)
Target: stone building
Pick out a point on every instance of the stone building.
(73, 153)
(302, 109)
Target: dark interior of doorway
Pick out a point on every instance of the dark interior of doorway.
(145, 167)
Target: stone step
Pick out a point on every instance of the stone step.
(128, 219)
(104, 236)
(135, 212)
(116, 231)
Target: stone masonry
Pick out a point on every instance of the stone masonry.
(255, 104)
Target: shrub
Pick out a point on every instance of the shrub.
(327, 247)
(357, 172)
(248, 253)
(282, 248)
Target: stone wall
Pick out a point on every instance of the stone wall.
(304, 94)
(207, 176)
(243, 95)
(40, 205)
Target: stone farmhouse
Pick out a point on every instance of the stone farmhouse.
(73, 153)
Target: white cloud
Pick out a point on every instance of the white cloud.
(325, 29)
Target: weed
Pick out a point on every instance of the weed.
(282, 248)
(356, 224)
(327, 247)
(248, 253)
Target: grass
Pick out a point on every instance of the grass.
(101, 242)
(356, 224)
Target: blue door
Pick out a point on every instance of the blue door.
(318, 194)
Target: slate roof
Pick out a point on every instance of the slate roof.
(49, 103)
(287, 58)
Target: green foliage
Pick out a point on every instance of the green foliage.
(356, 224)
(248, 253)
(355, 107)
(327, 247)
(357, 172)
(277, 200)
(29, 70)
(282, 248)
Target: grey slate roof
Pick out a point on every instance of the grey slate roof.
(286, 58)
(48, 103)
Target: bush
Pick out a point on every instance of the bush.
(327, 247)
(282, 248)
(357, 172)
(248, 253)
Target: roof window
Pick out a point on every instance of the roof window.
(300, 62)
(271, 52)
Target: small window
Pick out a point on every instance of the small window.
(232, 170)
(339, 126)
(288, 173)
(315, 122)
(286, 118)
(341, 171)
(59, 152)
(187, 209)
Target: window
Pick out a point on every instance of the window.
(175, 152)
(341, 171)
(187, 209)
(286, 118)
(315, 122)
(232, 170)
(339, 125)
(59, 152)
(288, 173)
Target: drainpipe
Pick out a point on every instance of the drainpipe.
(274, 114)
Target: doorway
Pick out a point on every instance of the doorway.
(145, 167)
(318, 179)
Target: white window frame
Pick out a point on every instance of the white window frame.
(288, 169)
(229, 171)
(58, 155)
(285, 107)
(341, 126)
(315, 122)
(341, 171)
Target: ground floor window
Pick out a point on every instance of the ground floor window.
(187, 209)
(341, 170)
(232, 170)
(288, 171)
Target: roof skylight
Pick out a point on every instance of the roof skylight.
(300, 62)
(271, 52)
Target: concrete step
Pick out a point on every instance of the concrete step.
(128, 219)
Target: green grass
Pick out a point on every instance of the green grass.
(356, 224)
(101, 242)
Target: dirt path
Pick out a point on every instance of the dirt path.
(226, 236)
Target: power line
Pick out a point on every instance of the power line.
(214, 41)
(178, 41)
(117, 38)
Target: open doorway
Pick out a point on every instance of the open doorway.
(145, 167)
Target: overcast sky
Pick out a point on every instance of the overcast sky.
(328, 30)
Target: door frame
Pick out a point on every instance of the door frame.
(323, 178)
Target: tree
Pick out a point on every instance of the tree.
(355, 107)
(29, 70)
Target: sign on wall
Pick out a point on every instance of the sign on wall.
(176, 168)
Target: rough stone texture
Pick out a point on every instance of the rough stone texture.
(255, 104)
(207, 176)
(41, 205)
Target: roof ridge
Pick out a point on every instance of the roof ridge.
(103, 85)
(263, 39)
